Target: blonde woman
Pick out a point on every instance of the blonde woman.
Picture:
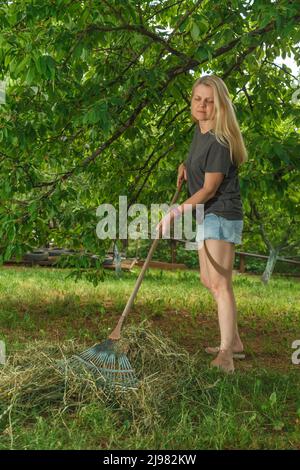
(211, 171)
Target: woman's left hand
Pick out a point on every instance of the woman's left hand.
(164, 225)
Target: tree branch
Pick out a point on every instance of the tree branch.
(280, 67)
(137, 29)
(171, 75)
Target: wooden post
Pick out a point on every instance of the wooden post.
(173, 251)
(137, 248)
(242, 263)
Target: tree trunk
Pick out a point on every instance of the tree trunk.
(273, 255)
(117, 260)
(124, 246)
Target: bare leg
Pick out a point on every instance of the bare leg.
(219, 263)
(237, 344)
(205, 279)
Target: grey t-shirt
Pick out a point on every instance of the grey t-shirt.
(206, 154)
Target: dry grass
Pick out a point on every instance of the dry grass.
(35, 378)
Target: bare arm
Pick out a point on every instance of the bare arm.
(211, 183)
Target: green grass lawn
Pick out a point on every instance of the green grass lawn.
(257, 407)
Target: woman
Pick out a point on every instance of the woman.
(211, 171)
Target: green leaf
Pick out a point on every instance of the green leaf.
(8, 253)
(30, 74)
(22, 65)
(11, 233)
(195, 32)
(266, 18)
(201, 54)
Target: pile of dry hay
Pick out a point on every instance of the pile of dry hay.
(34, 378)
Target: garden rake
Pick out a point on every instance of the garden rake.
(108, 363)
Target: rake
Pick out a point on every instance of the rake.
(106, 361)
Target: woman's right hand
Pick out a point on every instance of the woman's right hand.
(181, 174)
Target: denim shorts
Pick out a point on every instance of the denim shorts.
(216, 227)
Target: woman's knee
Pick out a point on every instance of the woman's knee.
(218, 288)
(205, 281)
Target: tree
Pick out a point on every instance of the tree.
(270, 180)
(98, 101)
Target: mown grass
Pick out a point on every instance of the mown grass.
(198, 408)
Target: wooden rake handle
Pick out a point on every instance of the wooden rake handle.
(116, 334)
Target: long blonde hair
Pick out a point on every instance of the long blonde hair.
(226, 128)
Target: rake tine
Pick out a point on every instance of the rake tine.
(99, 362)
(113, 369)
(111, 362)
(106, 362)
(126, 363)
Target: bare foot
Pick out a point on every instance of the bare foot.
(237, 349)
(237, 346)
(224, 361)
(214, 350)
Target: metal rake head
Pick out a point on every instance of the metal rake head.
(111, 368)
